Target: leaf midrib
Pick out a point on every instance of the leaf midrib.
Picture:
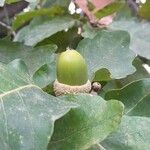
(17, 89)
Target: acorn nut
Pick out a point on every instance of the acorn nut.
(72, 74)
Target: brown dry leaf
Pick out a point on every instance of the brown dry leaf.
(105, 21)
(83, 5)
(99, 4)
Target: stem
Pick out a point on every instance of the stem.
(6, 15)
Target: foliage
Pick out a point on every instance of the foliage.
(115, 42)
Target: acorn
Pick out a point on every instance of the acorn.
(72, 74)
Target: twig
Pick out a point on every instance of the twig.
(9, 28)
(6, 15)
(133, 5)
(12, 9)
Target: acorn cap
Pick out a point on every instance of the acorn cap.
(61, 89)
(71, 68)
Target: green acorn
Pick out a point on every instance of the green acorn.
(72, 75)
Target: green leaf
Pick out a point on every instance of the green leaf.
(111, 85)
(22, 18)
(34, 60)
(42, 76)
(18, 67)
(142, 107)
(90, 123)
(139, 33)
(11, 78)
(11, 1)
(89, 31)
(64, 3)
(110, 50)
(33, 34)
(109, 9)
(45, 75)
(124, 13)
(131, 94)
(63, 39)
(144, 10)
(140, 73)
(133, 134)
(31, 56)
(102, 75)
(27, 114)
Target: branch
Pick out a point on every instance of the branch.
(133, 5)
(12, 9)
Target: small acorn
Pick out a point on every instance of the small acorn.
(72, 74)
